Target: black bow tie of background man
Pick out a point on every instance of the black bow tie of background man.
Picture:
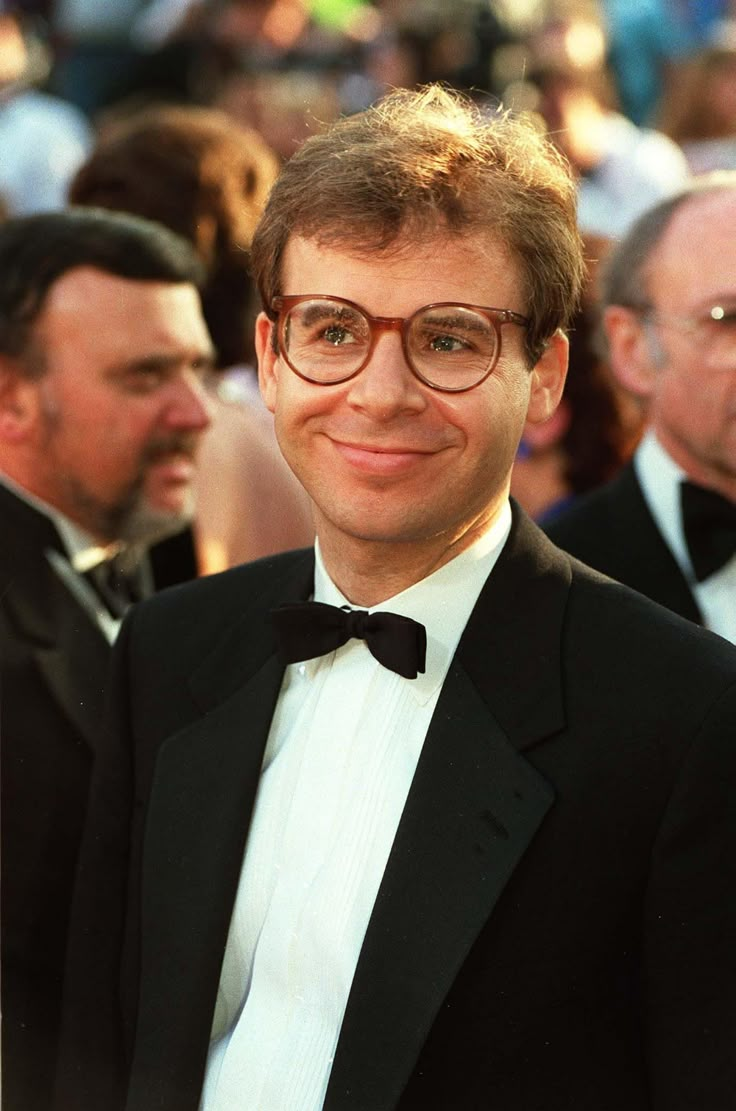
(117, 586)
(709, 522)
(308, 629)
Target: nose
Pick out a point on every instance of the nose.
(386, 386)
(189, 406)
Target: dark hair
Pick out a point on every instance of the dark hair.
(204, 176)
(419, 161)
(35, 251)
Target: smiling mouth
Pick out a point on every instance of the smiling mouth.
(383, 449)
(379, 458)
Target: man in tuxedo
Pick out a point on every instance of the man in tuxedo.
(102, 352)
(430, 816)
(666, 525)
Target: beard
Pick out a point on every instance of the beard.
(131, 518)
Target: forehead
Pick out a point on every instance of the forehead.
(695, 261)
(473, 269)
(94, 309)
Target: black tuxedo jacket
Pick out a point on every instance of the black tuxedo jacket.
(54, 662)
(53, 665)
(555, 925)
(613, 530)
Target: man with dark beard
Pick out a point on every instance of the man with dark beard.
(103, 355)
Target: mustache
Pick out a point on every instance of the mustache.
(172, 443)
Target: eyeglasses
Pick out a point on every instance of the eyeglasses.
(450, 347)
(714, 331)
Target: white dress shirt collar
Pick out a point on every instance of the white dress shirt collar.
(660, 479)
(442, 601)
(83, 551)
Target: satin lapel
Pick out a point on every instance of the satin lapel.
(473, 809)
(70, 651)
(649, 564)
(206, 781)
(202, 797)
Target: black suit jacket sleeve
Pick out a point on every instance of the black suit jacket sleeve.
(689, 952)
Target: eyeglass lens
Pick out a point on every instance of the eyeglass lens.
(449, 346)
(719, 334)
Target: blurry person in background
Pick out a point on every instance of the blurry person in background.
(103, 355)
(207, 177)
(621, 168)
(699, 111)
(43, 139)
(666, 525)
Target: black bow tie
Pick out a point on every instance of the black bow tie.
(118, 588)
(308, 629)
(709, 521)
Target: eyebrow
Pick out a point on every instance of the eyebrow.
(327, 310)
(161, 362)
(454, 320)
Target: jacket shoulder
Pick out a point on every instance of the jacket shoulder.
(199, 612)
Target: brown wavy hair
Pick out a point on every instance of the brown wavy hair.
(428, 159)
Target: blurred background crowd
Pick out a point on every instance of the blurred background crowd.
(183, 110)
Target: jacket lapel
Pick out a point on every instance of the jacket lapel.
(76, 670)
(202, 798)
(203, 793)
(70, 651)
(474, 808)
(650, 566)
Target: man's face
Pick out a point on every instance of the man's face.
(120, 407)
(384, 457)
(692, 380)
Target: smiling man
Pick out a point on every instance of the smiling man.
(431, 816)
(103, 350)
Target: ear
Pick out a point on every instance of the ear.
(629, 350)
(542, 435)
(267, 359)
(548, 379)
(19, 403)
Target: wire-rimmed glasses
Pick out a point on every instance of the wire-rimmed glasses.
(714, 331)
(452, 347)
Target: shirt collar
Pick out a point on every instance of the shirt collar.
(660, 478)
(442, 602)
(83, 551)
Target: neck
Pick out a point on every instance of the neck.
(368, 572)
(706, 474)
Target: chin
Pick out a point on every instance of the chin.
(147, 523)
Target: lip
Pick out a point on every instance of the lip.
(380, 459)
(174, 468)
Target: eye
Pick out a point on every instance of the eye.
(337, 335)
(323, 324)
(144, 378)
(447, 343)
